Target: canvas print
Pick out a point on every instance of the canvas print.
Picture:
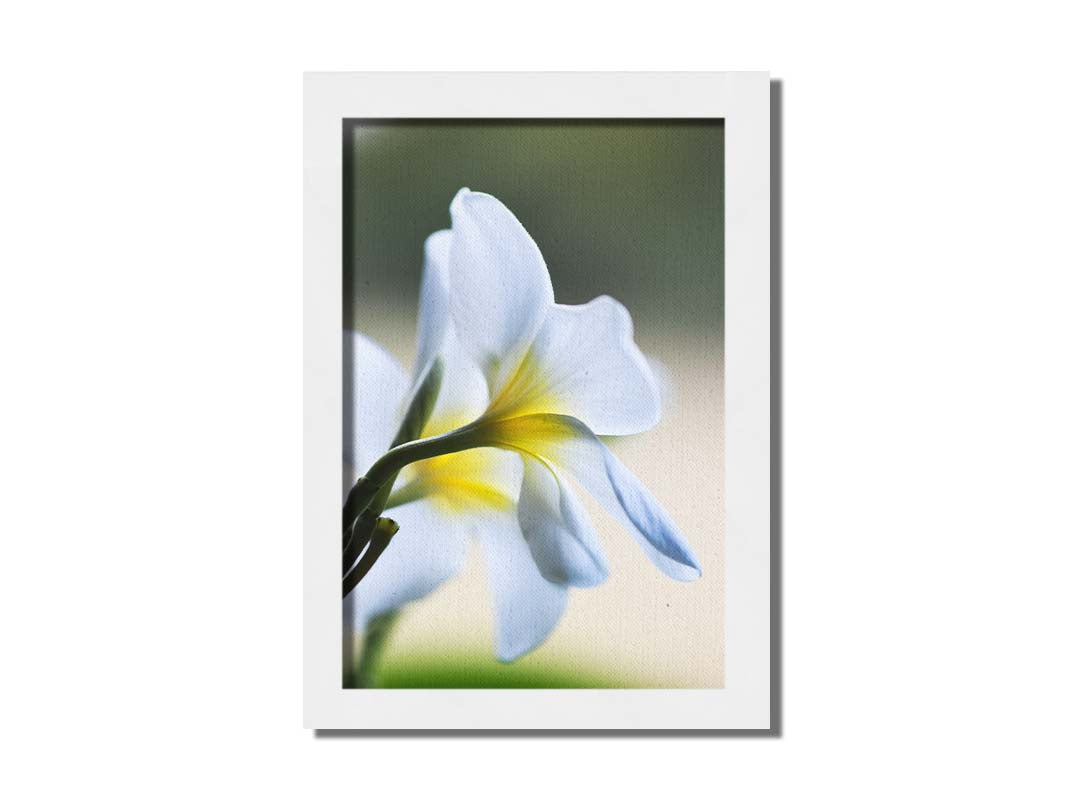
(532, 477)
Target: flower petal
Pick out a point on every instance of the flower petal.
(463, 395)
(429, 548)
(571, 446)
(557, 528)
(631, 502)
(527, 607)
(584, 363)
(501, 290)
(434, 320)
(375, 387)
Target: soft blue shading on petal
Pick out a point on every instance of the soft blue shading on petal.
(608, 480)
(526, 606)
(429, 548)
(661, 540)
(433, 320)
(464, 394)
(374, 388)
(558, 529)
(500, 287)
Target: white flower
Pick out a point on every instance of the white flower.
(528, 386)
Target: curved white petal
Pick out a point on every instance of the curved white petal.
(621, 493)
(584, 363)
(375, 387)
(557, 528)
(526, 606)
(463, 395)
(501, 290)
(433, 321)
(428, 549)
(665, 383)
(571, 446)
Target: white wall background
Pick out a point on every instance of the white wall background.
(150, 185)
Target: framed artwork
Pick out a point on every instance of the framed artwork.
(536, 413)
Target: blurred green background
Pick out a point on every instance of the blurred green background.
(633, 209)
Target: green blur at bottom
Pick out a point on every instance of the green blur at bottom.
(477, 671)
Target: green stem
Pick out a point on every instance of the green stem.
(385, 469)
(384, 531)
(363, 528)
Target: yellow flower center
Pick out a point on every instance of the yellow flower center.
(454, 482)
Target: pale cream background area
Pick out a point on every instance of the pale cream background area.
(639, 626)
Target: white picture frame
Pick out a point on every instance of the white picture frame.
(742, 99)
